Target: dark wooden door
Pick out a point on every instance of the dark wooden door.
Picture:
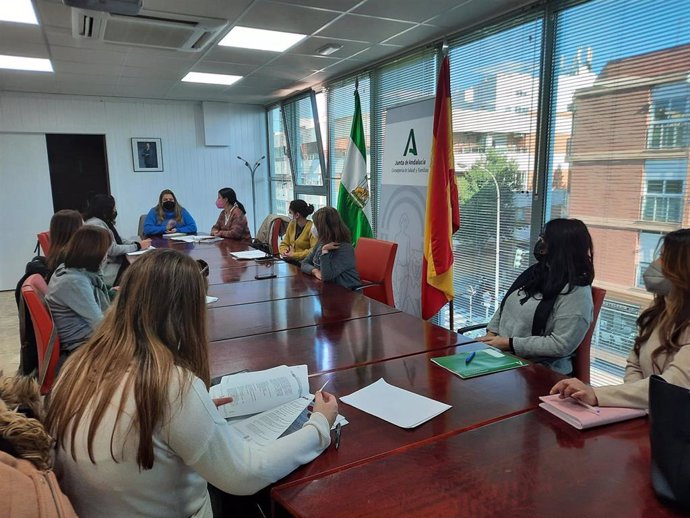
(78, 167)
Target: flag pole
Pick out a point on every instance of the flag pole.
(450, 304)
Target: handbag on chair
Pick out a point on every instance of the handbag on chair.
(669, 419)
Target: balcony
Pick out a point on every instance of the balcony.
(668, 135)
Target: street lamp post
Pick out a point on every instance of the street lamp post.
(498, 229)
(252, 170)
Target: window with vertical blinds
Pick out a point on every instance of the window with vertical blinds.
(620, 131)
(408, 79)
(341, 108)
(281, 172)
(494, 89)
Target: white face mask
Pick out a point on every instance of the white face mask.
(314, 232)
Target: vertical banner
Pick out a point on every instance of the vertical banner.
(406, 162)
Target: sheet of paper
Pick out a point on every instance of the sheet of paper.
(173, 234)
(197, 239)
(140, 252)
(266, 427)
(255, 392)
(249, 254)
(395, 405)
(210, 299)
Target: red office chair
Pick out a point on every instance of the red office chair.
(47, 340)
(375, 259)
(44, 242)
(582, 354)
(275, 233)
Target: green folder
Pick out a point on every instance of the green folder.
(485, 361)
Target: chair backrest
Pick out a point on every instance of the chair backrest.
(375, 259)
(140, 229)
(33, 292)
(582, 354)
(44, 241)
(276, 226)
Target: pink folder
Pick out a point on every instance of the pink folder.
(581, 417)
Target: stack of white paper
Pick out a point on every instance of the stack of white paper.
(249, 254)
(197, 239)
(140, 252)
(395, 405)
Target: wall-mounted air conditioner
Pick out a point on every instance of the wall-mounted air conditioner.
(147, 29)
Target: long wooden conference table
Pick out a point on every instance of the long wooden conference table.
(493, 453)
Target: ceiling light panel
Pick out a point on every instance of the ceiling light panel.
(22, 63)
(260, 39)
(17, 11)
(211, 79)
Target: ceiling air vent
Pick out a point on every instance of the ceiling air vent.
(148, 29)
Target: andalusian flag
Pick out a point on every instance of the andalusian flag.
(442, 211)
(354, 204)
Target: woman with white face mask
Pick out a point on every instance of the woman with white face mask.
(333, 258)
(77, 294)
(299, 239)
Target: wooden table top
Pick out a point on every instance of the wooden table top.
(334, 304)
(247, 271)
(234, 293)
(475, 402)
(531, 465)
(333, 346)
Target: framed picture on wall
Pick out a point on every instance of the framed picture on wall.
(147, 154)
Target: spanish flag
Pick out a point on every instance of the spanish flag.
(442, 211)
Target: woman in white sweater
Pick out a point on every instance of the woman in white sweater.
(137, 432)
(662, 345)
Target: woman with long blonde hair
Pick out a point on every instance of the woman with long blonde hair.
(168, 217)
(662, 345)
(137, 432)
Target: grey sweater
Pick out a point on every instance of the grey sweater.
(337, 265)
(77, 300)
(116, 253)
(565, 328)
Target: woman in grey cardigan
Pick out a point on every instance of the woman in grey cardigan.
(547, 311)
(101, 213)
(332, 259)
(77, 295)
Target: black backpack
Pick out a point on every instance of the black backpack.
(28, 353)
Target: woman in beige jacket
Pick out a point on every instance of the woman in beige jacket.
(663, 342)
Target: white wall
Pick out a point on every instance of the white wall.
(195, 172)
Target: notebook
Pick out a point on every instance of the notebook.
(485, 361)
(582, 417)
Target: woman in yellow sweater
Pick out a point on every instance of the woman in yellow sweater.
(299, 239)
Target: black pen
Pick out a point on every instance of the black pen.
(337, 435)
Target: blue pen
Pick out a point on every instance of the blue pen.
(469, 359)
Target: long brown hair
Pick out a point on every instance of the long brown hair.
(161, 212)
(63, 225)
(87, 248)
(669, 314)
(330, 226)
(157, 323)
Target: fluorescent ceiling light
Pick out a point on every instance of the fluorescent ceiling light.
(329, 49)
(260, 39)
(20, 63)
(211, 79)
(18, 11)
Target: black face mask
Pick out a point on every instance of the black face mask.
(169, 205)
(540, 250)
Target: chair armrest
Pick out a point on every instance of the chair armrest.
(368, 285)
(472, 328)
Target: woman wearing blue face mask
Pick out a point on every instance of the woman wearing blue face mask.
(298, 241)
(547, 311)
(333, 258)
(168, 217)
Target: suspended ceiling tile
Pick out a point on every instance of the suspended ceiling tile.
(335, 5)
(376, 52)
(225, 9)
(242, 56)
(295, 61)
(408, 10)
(364, 28)
(286, 18)
(53, 14)
(217, 67)
(88, 55)
(473, 12)
(416, 35)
